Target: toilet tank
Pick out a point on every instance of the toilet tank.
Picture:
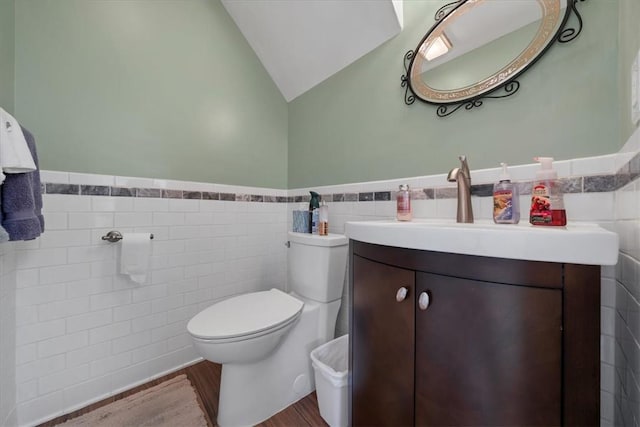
(317, 265)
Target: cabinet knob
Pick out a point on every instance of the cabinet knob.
(423, 301)
(401, 294)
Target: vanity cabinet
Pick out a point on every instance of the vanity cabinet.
(382, 341)
(473, 341)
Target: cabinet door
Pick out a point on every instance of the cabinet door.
(382, 340)
(487, 354)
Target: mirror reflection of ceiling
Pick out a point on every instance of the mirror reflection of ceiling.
(480, 45)
(489, 37)
(303, 42)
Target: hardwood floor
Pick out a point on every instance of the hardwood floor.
(205, 377)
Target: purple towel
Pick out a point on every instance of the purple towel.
(22, 200)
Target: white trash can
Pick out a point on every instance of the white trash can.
(330, 363)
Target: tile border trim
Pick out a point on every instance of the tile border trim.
(628, 173)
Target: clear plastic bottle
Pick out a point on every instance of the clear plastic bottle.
(506, 201)
(323, 228)
(403, 204)
(547, 203)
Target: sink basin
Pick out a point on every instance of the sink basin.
(579, 243)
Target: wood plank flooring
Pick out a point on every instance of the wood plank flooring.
(205, 377)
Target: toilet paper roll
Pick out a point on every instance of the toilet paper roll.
(134, 256)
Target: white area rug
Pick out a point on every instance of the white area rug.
(168, 404)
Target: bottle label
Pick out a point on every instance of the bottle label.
(403, 206)
(540, 205)
(315, 221)
(404, 203)
(503, 205)
(323, 229)
(545, 200)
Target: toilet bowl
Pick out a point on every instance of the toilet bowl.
(263, 339)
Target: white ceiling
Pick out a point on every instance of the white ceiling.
(303, 42)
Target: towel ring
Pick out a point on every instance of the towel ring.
(115, 236)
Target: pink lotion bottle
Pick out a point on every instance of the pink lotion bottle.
(403, 204)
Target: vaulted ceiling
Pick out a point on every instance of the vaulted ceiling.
(303, 42)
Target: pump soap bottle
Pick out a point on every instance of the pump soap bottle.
(403, 204)
(547, 204)
(506, 202)
(314, 205)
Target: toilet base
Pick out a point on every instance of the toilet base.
(253, 392)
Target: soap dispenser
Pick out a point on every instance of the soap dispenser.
(506, 201)
(547, 204)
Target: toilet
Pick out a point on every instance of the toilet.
(263, 339)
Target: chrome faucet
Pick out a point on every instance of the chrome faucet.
(463, 177)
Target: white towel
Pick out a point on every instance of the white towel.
(15, 156)
(134, 258)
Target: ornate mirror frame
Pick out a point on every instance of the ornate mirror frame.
(501, 83)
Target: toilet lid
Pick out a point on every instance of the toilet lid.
(245, 315)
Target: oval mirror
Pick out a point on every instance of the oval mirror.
(479, 46)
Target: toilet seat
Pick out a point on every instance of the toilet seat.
(245, 316)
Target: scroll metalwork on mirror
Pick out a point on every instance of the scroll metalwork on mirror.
(477, 49)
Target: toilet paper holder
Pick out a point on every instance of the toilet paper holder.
(115, 236)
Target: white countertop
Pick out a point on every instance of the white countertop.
(577, 243)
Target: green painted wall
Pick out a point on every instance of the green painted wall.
(171, 89)
(164, 89)
(629, 39)
(355, 126)
(7, 61)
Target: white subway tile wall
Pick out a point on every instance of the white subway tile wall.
(76, 331)
(621, 298)
(83, 331)
(8, 355)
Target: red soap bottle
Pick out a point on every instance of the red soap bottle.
(547, 204)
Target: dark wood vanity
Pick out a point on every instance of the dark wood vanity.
(494, 341)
